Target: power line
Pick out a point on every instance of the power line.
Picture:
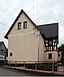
(3, 24)
(30, 34)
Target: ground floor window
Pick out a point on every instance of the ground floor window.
(10, 53)
(59, 55)
(50, 56)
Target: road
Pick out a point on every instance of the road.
(11, 72)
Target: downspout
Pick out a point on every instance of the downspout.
(38, 44)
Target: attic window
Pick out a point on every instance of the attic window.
(19, 25)
(25, 25)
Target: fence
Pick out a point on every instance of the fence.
(40, 65)
(2, 62)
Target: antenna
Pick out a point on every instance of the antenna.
(37, 11)
(33, 9)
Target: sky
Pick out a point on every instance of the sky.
(40, 11)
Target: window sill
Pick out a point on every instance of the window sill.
(18, 29)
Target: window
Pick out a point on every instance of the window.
(46, 41)
(1, 50)
(19, 25)
(51, 48)
(53, 43)
(55, 48)
(1, 57)
(11, 54)
(58, 54)
(50, 56)
(53, 40)
(46, 48)
(25, 25)
(46, 44)
(50, 42)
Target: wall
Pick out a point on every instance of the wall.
(59, 57)
(41, 48)
(54, 56)
(23, 43)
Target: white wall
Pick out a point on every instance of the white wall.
(23, 43)
(54, 56)
(41, 48)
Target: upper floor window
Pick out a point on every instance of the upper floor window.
(25, 25)
(19, 25)
(50, 42)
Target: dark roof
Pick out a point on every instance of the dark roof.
(1, 49)
(3, 44)
(49, 30)
(22, 11)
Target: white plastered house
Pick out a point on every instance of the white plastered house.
(30, 42)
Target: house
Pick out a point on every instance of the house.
(2, 51)
(30, 42)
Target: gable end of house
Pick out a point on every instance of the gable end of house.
(22, 11)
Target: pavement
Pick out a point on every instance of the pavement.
(38, 72)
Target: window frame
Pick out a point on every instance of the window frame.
(19, 25)
(25, 25)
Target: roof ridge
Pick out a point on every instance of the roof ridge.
(47, 24)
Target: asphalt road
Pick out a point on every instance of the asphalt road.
(11, 72)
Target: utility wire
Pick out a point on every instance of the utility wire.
(22, 31)
(34, 35)
(4, 24)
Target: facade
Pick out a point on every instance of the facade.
(30, 42)
(2, 51)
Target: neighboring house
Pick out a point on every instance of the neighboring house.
(2, 51)
(30, 42)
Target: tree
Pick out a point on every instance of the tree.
(61, 48)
